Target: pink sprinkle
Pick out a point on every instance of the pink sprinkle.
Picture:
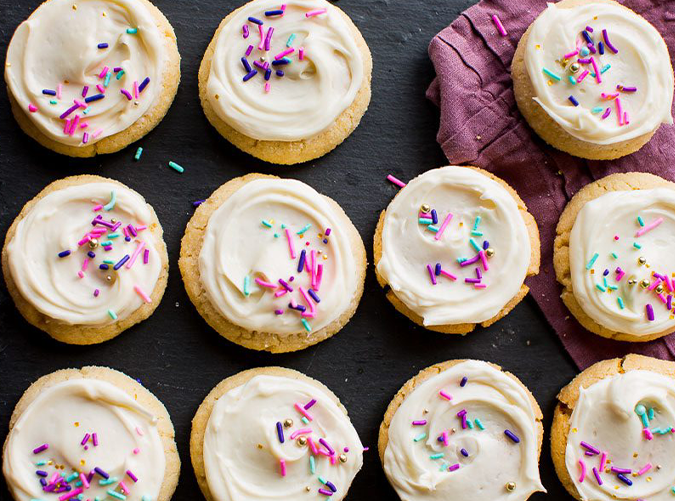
(71, 494)
(571, 54)
(595, 70)
(282, 465)
(85, 483)
(479, 286)
(648, 434)
(85, 263)
(394, 180)
(136, 451)
(124, 488)
(283, 7)
(302, 411)
(261, 45)
(319, 275)
(484, 261)
(603, 461)
(143, 295)
(85, 89)
(316, 12)
(649, 227)
(267, 86)
(97, 208)
(291, 247)
(280, 293)
(262, 283)
(135, 89)
(645, 469)
(301, 53)
(445, 224)
(80, 103)
(445, 436)
(139, 431)
(66, 126)
(32, 108)
(500, 26)
(449, 275)
(420, 422)
(84, 125)
(445, 395)
(581, 77)
(146, 256)
(582, 476)
(104, 72)
(312, 312)
(284, 53)
(626, 120)
(301, 431)
(134, 256)
(97, 133)
(59, 90)
(619, 111)
(312, 446)
(141, 228)
(74, 124)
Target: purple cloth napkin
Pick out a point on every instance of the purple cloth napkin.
(481, 125)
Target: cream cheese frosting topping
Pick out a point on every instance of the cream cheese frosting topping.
(87, 69)
(284, 72)
(469, 432)
(84, 255)
(84, 436)
(600, 71)
(455, 248)
(620, 249)
(279, 438)
(276, 257)
(620, 444)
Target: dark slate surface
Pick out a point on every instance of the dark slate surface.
(176, 355)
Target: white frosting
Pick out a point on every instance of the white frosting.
(242, 451)
(61, 416)
(594, 231)
(605, 418)
(498, 403)
(642, 61)
(58, 45)
(312, 93)
(58, 222)
(237, 245)
(408, 246)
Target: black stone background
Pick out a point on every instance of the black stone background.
(175, 354)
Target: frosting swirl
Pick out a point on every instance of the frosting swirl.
(63, 252)
(448, 438)
(478, 210)
(253, 246)
(65, 417)
(244, 456)
(620, 260)
(324, 72)
(87, 69)
(633, 93)
(609, 421)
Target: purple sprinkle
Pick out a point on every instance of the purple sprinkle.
(606, 113)
(420, 422)
(244, 30)
(41, 473)
(132, 230)
(298, 307)
(48, 92)
(591, 48)
(132, 476)
(279, 312)
(331, 486)
(126, 239)
(268, 73)
(431, 274)
(601, 51)
(325, 240)
(280, 73)
(85, 439)
(464, 453)
(314, 296)
(96, 292)
(327, 232)
(94, 439)
(70, 110)
(146, 256)
(301, 260)
(250, 75)
(285, 285)
(102, 473)
(96, 97)
(103, 266)
(461, 413)
(255, 20)
(486, 244)
(250, 47)
(472, 280)
(117, 69)
(260, 65)
(479, 275)
(144, 84)
(127, 94)
(325, 492)
(595, 470)
(121, 262)
(590, 447)
(573, 100)
(621, 476)
(198, 203)
(621, 470)
(91, 254)
(589, 29)
(650, 312)
(464, 381)
(512, 436)
(246, 64)
(626, 89)
(330, 450)
(310, 404)
(470, 261)
(587, 36)
(605, 273)
(64, 253)
(102, 46)
(434, 216)
(280, 432)
(437, 269)
(268, 38)
(454, 467)
(43, 482)
(608, 43)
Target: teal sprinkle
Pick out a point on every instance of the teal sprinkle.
(651, 413)
(112, 314)
(176, 167)
(53, 101)
(144, 498)
(445, 465)
(597, 109)
(120, 74)
(247, 284)
(600, 288)
(476, 233)
(106, 82)
(640, 221)
(658, 431)
(573, 80)
(612, 287)
(322, 480)
(312, 465)
(433, 228)
(106, 244)
(113, 198)
(592, 74)
(460, 260)
(475, 246)
(78, 483)
(424, 220)
(80, 497)
(132, 31)
(584, 51)
(637, 245)
(604, 279)
(620, 301)
(108, 481)
(479, 424)
(469, 424)
(113, 235)
(640, 409)
(290, 40)
(108, 261)
(305, 420)
(592, 261)
(72, 477)
(476, 223)
(419, 437)
(302, 231)
(266, 223)
(437, 456)
(138, 154)
(86, 110)
(283, 226)
(605, 68)
(551, 74)
(645, 420)
(672, 489)
(306, 325)
(614, 255)
(286, 60)
(276, 235)
(41, 463)
(115, 494)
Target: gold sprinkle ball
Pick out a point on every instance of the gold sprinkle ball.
(288, 423)
(575, 67)
(489, 252)
(302, 441)
(342, 458)
(425, 208)
(510, 486)
(644, 283)
(642, 260)
(93, 243)
(659, 289)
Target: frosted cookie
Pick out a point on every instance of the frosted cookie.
(85, 260)
(91, 76)
(613, 256)
(612, 434)
(90, 433)
(454, 247)
(271, 264)
(593, 78)
(286, 82)
(273, 433)
(462, 429)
